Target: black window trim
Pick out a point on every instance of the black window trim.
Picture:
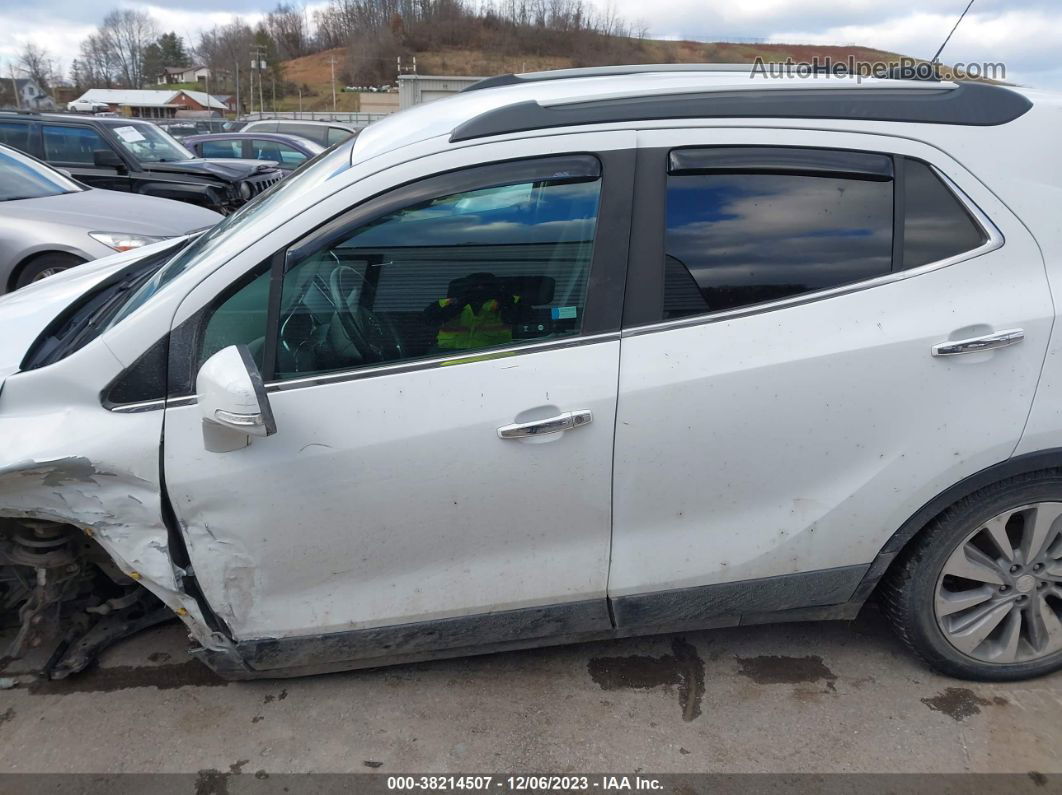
(643, 307)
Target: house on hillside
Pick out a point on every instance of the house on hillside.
(155, 104)
(189, 74)
(23, 92)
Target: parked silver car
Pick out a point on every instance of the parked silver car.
(50, 222)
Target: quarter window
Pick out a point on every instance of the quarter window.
(749, 225)
(937, 225)
(71, 144)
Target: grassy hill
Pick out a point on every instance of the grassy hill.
(313, 71)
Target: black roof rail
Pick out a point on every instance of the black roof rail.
(970, 104)
(601, 71)
(926, 72)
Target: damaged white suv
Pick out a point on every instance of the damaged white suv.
(570, 356)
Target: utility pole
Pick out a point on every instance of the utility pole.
(332, 62)
(237, 88)
(258, 63)
(14, 87)
(274, 79)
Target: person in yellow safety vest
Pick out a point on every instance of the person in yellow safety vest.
(480, 316)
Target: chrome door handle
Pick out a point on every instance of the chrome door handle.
(989, 342)
(567, 421)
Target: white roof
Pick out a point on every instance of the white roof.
(205, 99)
(145, 98)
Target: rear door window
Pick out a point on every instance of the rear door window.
(751, 225)
(222, 149)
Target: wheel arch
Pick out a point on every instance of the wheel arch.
(913, 527)
(53, 248)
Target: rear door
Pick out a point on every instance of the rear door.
(443, 386)
(781, 409)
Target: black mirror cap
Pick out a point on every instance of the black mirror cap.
(106, 157)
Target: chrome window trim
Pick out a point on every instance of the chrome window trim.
(995, 240)
(399, 368)
(465, 357)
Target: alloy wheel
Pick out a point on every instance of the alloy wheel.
(999, 594)
(44, 274)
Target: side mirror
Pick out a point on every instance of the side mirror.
(107, 158)
(233, 400)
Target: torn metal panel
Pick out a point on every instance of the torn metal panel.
(66, 459)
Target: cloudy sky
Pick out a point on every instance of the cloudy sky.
(1024, 34)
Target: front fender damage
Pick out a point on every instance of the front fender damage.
(82, 545)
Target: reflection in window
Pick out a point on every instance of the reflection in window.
(739, 239)
(71, 144)
(463, 272)
(936, 225)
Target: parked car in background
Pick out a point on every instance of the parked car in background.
(87, 106)
(531, 364)
(135, 156)
(182, 128)
(287, 151)
(50, 222)
(325, 133)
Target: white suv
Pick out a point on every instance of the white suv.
(569, 356)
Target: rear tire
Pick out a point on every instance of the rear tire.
(45, 265)
(969, 606)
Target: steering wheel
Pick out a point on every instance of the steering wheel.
(372, 334)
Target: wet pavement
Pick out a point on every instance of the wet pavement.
(795, 698)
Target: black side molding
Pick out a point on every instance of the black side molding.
(971, 104)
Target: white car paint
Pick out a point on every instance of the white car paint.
(747, 447)
(803, 437)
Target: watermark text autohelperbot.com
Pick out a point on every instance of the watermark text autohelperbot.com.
(904, 67)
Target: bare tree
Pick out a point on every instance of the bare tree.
(286, 26)
(38, 65)
(126, 34)
(97, 65)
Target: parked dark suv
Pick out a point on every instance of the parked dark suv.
(137, 156)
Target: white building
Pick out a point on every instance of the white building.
(418, 89)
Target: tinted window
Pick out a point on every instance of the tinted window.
(221, 148)
(15, 134)
(461, 272)
(71, 144)
(738, 239)
(937, 225)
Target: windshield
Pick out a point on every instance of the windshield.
(302, 180)
(23, 177)
(150, 144)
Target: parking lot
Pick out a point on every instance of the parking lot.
(797, 698)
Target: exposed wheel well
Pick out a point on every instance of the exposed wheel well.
(1041, 461)
(12, 280)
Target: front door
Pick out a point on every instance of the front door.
(421, 351)
(782, 410)
(71, 147)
